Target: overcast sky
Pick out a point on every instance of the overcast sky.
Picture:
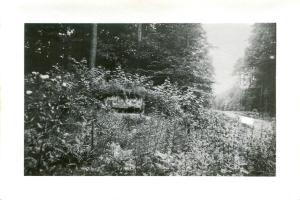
(230, 41)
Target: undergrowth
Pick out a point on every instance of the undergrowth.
(70, 131)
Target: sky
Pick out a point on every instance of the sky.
(230, 42)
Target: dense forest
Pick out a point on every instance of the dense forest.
(178, 52)
(136, 99)
(256, 90)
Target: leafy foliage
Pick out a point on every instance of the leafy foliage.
(70, 131)
(178, 52)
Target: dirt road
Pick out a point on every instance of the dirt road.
(257, 125)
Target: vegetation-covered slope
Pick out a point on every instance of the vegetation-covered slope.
(70, 130)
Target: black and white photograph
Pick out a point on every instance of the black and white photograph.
(150, 99)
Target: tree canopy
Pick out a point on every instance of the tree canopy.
(178, 52)
(257, 71)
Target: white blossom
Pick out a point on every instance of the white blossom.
(44, 76)
(28, 92)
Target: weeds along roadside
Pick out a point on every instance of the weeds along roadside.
(64, 111)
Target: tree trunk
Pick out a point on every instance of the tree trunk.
(92, 136)
(187, 39)
(93, 53)
(139, 33)
(93, 47)
(261, 100)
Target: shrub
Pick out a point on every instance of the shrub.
(70, 131)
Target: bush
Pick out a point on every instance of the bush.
(70, 131)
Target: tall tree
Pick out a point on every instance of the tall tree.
(93, 48)
(140, 32)
(175, 51)
(259, 68)
(261, 60)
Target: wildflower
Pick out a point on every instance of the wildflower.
(28, 92)
(35, 73)
(66, 134)
(39, 125)
(44, 76)
(64, 84)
